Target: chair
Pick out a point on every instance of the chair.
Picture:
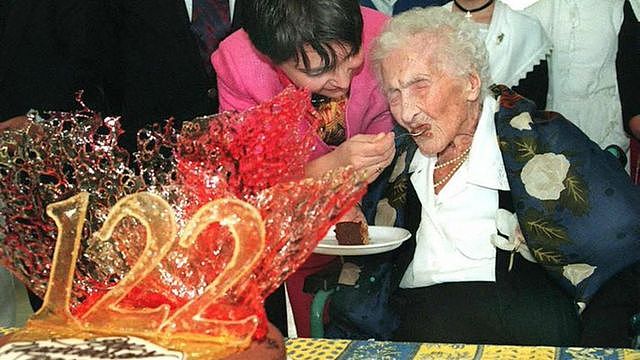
(635, 327)
(321, 284)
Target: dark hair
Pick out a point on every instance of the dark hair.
(281, 28)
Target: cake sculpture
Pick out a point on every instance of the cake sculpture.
(352, 233)
(178, 250)
(97, 348)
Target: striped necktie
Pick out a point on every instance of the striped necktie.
(211, 23)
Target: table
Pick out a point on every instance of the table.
(326, 349)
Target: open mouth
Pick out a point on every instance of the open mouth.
(417, 133)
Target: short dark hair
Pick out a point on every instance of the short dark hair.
(281, 28)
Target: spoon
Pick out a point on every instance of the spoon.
(411, 134)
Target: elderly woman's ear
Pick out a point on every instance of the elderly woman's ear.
(473, 86)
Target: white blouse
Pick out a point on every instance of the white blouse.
(582, 70)
(453, 239)
(515, 44)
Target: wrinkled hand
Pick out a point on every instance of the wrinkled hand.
(15, 123)
(367, 153)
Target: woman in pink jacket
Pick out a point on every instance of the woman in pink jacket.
(321, 45)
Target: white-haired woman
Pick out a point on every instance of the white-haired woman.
(467, 165)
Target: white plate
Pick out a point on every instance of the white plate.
(381, 239)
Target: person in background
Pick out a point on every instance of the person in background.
(144, 61)
(48, 51)
(240, 7)
(628, 75)
(160, 64)
(616, 301)
(628, 66)
(322, 46)
(392, 7)
(518, 46)
(473, 273)
(582, 69)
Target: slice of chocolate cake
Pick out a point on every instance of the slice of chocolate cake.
(352, 233)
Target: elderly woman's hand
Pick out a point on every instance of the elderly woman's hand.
(367, 153)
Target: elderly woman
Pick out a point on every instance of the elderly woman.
(465, 162)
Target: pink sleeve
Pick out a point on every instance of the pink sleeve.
(245, 77)
(381, 123)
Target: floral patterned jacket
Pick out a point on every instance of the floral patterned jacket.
(576, 206)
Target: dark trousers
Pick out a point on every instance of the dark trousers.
(34, 300)
(523, 307)
(275, 306)
(607, 319)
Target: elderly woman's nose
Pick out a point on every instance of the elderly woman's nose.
(408, 109)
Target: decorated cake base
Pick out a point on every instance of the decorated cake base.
(130, 347)
(79, 349)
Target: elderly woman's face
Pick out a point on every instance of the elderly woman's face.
(424, 97)
(333, 83)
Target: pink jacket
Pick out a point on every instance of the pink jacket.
(246, 78)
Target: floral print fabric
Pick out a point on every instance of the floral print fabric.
(577, 207)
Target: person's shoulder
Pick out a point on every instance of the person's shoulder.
(522, 27)
(522, 18)
(544, 11)
(372, 18)
(372, 23)
(238, 41)
(237, 53)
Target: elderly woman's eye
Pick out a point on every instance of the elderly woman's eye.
(422, 84)
(394, 98)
